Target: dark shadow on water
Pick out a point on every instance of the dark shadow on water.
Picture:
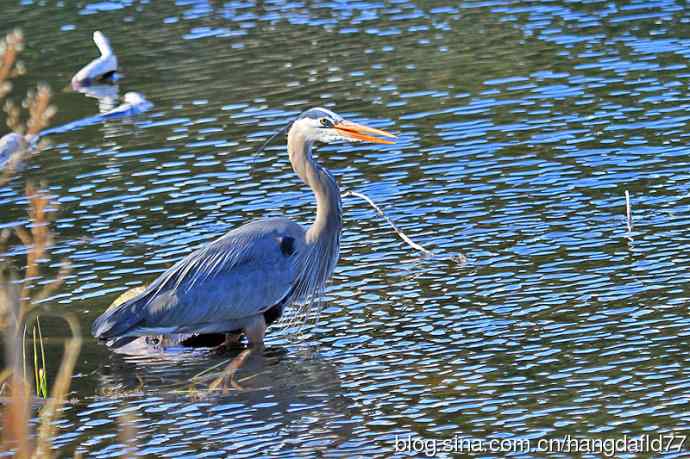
(285, 392)
(192, 371)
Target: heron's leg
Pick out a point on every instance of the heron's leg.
(228, 375)
(232, 340)
(255, 332)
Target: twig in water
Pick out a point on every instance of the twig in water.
(459, 258)
(628, 211)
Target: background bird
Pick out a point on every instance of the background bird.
(100, 70)
(10, 145)
(244, 280)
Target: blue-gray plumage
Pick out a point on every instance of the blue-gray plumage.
(247, 277)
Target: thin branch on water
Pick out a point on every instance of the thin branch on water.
(628, 211)
(457, 258)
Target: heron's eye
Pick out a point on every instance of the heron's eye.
(325, 122)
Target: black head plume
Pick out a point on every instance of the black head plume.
(279, 132)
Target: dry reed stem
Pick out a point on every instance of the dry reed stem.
(4, 237)
(10, 47)
(38, 239)
(16, 304)
(37, 104)
(16, 432)
(40, 110)
(51, 410)
(17, 411)
(17, 308)
(55, 284)
(14, 117)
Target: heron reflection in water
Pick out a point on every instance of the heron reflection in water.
(243, 281)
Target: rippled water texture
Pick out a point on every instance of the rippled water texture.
(521, 125)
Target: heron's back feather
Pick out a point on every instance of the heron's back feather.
(220, 285)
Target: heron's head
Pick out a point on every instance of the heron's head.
(322, 125)
(102, 43)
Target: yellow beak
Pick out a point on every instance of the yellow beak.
(356, 131)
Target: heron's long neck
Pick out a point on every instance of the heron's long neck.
(328, 222)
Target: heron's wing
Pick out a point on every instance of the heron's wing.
(235, 277)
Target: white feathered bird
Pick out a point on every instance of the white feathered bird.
(11, 144)
(99, 70)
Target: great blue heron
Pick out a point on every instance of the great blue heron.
(102, 69)
(243, 281)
